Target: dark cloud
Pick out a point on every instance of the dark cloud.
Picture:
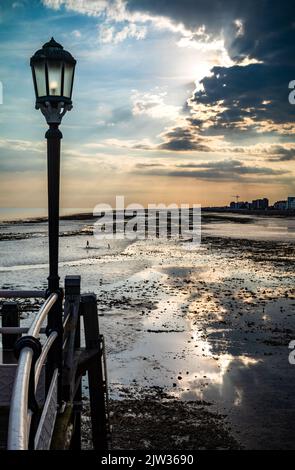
(182, 139)
(234, 166)
(273, 152)
(148, 165)
(237, 102)
(269, 33)
(215, 14)
(267, 26)
(281, 154)
(224, 170)
(251, 98)
(257, 92)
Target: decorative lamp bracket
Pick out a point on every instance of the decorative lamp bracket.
(53, 115)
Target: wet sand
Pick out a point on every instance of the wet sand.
(207, 324)
(196, 336)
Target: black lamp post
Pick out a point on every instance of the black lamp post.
(53, 74)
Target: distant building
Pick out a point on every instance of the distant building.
(280, 205)
(291, 203)
(260, 204)
(239, 205)
(263, 204)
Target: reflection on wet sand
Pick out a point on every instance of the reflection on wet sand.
(209, 323)
(219, 332)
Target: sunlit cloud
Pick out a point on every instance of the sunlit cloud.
(109, 34)
(240, 28)
(165, 87)
(153, 104)
(116, 11)
(22, 145)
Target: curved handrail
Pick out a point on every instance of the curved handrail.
(45, 349)
(19, 422)
(42, 314)
(18, 432)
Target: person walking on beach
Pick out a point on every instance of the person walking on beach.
(87, 244)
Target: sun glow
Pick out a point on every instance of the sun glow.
(199, 57)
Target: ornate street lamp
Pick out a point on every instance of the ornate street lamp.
(53, 75)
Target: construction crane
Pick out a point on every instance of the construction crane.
(237, 198)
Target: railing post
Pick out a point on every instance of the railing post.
(10, 317)
(71, 313)
(95, 372)
(54, 359)
(72, 306)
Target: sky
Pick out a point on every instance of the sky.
(173, 102)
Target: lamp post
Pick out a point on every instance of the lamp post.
(53, 74)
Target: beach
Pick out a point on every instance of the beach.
(196, 335)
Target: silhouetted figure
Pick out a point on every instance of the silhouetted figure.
(87, 244)
(109, 246)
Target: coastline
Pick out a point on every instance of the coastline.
(208, 212)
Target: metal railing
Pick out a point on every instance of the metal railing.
(22, 294)
(14, 330)
(20, 415)
(45, 350)
(46, 396)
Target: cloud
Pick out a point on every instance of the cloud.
(184, 138)
(116, 12)
(236, 102)
(234, 166)
(109, 34)
(130, 144)
(188, 138)
(21, 145)
(241, 101)
(252, 30)
(280, 153)
(222, 170)
(89, 7)
(21, 155)
(254, 98)
(148, 165)
(152, 104)
(250, 95)
(260, 30)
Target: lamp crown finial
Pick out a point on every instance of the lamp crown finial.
(52, 43)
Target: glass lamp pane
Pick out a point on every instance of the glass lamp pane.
(40, 79)
(68, 77)
(54, 78)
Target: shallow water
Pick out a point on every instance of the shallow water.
(258, 228)
(209, 322)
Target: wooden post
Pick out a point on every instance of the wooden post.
(71, 333)
(95, 373)
(72, 294)
(10, 317)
